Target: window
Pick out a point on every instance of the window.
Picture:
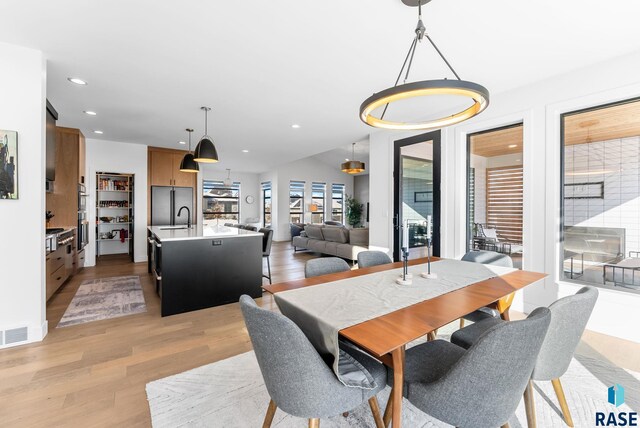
(266, 204)
(495, 191)
(337, 202)
(600, 193)
(318, 191)
(296, 202)
(220, 202)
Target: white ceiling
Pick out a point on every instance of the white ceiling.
(264, 65)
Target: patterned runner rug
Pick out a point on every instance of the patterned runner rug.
(231, 393)
(104, 298)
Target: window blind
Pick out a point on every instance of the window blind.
(504, 201)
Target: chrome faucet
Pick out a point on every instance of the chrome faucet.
(184, 207)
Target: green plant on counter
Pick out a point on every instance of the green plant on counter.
(354, 211)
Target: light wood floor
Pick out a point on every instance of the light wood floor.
(94, 375)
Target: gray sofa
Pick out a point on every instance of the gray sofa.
(333, 240)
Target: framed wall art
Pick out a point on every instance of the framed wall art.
(8, 164)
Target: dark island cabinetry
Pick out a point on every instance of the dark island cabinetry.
(196, 269)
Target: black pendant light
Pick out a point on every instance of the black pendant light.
(352, 166)
(478, 94)
(188, 163)
(205, 150)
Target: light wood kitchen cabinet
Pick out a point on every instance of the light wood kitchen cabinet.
(70, 164)
(82, 158)
(160, 168)
(60, 266)
(164, 170)
(182, 179)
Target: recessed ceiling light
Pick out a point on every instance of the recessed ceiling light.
(346, 160)
(182, 142)
(518, 160)
(77, 81)
(98, 132)
(90, 113)
(512, 146)
(245, 151)
(295, 126)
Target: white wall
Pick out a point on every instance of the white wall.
(125, 158)
(249, 186)
(307, 170)
(539, 107)
(22, 223)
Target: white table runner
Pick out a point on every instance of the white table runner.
(321, 311)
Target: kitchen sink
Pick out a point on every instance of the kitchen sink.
(175, 227)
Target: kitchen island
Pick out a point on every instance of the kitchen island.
(201, 267)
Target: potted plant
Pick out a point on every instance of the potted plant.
(353, 211)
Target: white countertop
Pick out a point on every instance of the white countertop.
(52, 235)
(179, 233)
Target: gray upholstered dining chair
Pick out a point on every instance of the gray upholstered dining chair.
(251, 228)
(569, 317)
(324, 265)
(480, 387)
(372, 258)
(298, 380)
(488, 258)
(267, 239)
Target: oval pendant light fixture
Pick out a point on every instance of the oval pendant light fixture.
(478, 94)
(205, 150)
(352, 166)
(188, 163)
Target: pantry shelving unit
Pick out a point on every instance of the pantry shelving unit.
(114, 213)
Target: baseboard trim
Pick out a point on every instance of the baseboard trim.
(35, 333)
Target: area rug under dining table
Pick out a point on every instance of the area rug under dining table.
(231, 393)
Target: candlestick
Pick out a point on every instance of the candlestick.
(428, 273)
(405, 278)
(405, 234)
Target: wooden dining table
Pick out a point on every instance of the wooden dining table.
(386, 337)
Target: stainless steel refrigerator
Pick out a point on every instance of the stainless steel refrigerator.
(166, 201)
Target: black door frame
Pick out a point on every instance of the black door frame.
(435, 138)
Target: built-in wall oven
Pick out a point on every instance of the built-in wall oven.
(83, 222)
